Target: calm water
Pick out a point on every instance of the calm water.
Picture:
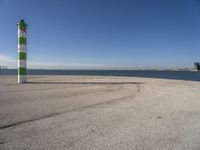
(180, 75)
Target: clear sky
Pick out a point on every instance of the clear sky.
(102, 34)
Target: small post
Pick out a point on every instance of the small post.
(22, 52)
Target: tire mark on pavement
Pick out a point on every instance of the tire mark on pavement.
(105, 103)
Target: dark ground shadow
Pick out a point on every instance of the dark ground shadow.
(50, 82)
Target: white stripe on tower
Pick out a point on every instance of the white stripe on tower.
(22, 63)
(21, 47)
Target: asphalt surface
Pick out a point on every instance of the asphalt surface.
(95, 113)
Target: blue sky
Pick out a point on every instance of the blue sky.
(103, 34)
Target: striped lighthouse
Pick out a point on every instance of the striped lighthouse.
(22, 52)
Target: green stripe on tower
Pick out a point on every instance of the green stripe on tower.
(22, 40)
(22, 25)
(22, 71)
(22, 55)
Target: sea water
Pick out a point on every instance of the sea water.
(165, 74)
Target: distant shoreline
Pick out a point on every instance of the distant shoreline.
(164, 74)
(185, 69)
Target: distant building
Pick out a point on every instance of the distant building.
(196, 66)
(3, 67)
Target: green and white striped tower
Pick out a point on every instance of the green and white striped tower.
(22, 52)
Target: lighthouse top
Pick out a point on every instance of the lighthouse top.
(22, 25)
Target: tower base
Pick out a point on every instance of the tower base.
(22, 79)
